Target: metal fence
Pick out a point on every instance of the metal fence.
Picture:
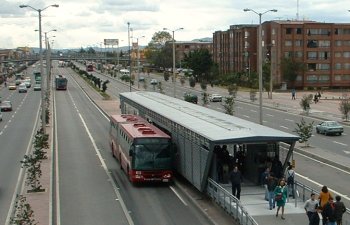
(229, 203)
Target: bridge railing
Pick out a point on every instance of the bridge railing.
(229, 203)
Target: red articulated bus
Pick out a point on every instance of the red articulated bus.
(144, 152)
(90, 68)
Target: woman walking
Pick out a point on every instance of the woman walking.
(281, 197)
(324, 196)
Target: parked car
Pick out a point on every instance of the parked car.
(215, 98)
(6, 106)
(190, 97)
(12, 86)
(22, 88)
(28, 83)
(37, 87)
(329, 127)
(141, 79)
(154, 81)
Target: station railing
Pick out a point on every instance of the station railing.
(229, 203)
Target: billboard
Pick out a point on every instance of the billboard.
(111, 41)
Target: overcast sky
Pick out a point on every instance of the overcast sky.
(86, 23)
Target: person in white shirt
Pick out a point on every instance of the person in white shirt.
(310, 206)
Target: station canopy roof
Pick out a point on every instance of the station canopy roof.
(216, 126)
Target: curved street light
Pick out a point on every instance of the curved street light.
(43, 109)
(138, 61)
(260, 59)
(174, 77)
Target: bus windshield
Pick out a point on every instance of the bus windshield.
(152, 154)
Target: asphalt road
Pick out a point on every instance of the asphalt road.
(87, 194)
(16, 136)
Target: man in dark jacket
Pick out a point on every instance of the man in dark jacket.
(236, 179)
(339, 210)
(328, 212)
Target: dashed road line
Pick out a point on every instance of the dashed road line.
(285, 127)
(339, 143)
(289, 120)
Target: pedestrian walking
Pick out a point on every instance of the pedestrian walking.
(317, 217)
(236, 179)
(271, 185)
(310, 206)
(324, 196)
(290, 181)
(293, 94)
(263, 180)
(339, 210)
(328, 212)
(281, 197)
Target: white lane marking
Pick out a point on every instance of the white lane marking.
(252, 110)
(246, 116)
(104, 166)
(269, 115)
(239, 107)
(264, 121)
(285, 127)
(289, 120)
(339, 143)
(346, 152)
(128, 217)
(318, 161)
(178, 195)
(321, 185)
(219, 108)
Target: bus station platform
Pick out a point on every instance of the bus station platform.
(252, 199)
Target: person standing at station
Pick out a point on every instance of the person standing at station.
(290, 180)
(325, 195)
(310, 206)
(339, 210)
(263, 180)
(328, 212)
(236, 180)
(317, 217)
(271, 186)
(281, 197)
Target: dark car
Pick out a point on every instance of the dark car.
(329, 127)
(6, 106)
(190, 97)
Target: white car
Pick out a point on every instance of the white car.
(22, 88)
(215, 98)
(154, 81)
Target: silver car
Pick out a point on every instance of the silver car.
(329, 127)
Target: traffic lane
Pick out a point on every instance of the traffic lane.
(315, 174)
(15, 136)
(148, 204)
(86, 194)
(286, 122)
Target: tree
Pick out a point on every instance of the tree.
(232, 89)
(200, 61)
(23, 212)
(205, 98)
(291, 69)
(304, 130)
(204, 85)
(344, 107)
(160, 87)
(32, 164)
(157, 52)
(192, 82)
(305, 103)
(229, 105)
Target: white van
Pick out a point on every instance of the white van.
(124, 72)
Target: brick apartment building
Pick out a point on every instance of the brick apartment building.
(183, 48)
(324, 48)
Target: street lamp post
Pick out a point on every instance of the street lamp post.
(48, 61)
(43, 110)
(138, 61)
(174, 74)
(129, 55)
(260, 59)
